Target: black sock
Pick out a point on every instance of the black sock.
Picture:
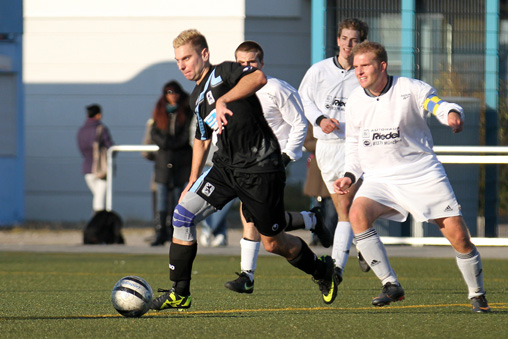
(182, 287)
(307, 261)
(181, 258)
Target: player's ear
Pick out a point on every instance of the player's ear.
(383, 66)
(205, 54)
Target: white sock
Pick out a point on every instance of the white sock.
(342, 243)
(308, 219)
(249, 256)
(470, 265)
(374, 253)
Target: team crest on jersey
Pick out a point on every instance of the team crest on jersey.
(366, 138)
(208, 189)
(209, 98)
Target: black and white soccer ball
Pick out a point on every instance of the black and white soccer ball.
(132, 296)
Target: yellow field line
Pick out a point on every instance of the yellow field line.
(494, 306)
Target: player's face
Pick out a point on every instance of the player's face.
(348, 39)
(371, 74)
(248, 59)
(191, 62)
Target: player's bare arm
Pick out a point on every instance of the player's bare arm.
(329, 125)
(248, 85)
(200, 150)
(341, 186)
(455, 122)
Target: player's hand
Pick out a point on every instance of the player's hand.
(186, 189)
(329, 125)
(221, 110)
(455, 122)
(341, 186)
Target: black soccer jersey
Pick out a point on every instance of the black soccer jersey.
(246, 143)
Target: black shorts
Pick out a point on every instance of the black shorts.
(262, 195)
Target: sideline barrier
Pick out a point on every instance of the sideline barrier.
(458, 155)
(109, 178)
(445, 154)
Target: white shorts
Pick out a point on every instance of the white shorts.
(428, 199)
(330, 157)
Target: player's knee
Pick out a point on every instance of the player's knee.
(358, 220)
(183, 224)
(461, 242)
(183, 217)
(272, 246)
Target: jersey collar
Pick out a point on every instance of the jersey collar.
(385, 89)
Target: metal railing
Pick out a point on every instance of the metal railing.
(445, 154)
(472, 156)
(109, 178)
(457, 155)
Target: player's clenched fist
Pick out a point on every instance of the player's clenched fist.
(455, 122)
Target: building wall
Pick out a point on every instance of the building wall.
(118, 53)
(284, 34)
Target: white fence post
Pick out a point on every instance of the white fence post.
(109, 178)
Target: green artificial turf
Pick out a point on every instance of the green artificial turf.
(68, 296)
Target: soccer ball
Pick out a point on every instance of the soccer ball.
(132, 296)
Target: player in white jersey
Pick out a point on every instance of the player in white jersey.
(283, 110)
(389, 142)
(324, 90)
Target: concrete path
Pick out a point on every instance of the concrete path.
(137, 242)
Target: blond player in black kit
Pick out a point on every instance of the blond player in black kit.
(247, 165)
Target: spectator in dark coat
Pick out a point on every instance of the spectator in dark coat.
(172, 119)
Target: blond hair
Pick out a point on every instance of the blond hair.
(192, 36)
(375, 48)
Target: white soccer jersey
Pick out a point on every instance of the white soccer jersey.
(283, 110)
(324, 90)
(388, 137)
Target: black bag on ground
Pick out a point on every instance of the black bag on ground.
(104, 228)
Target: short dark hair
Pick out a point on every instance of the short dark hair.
(375, 48)
(356, 25)
(251, 46)
(93, 110)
